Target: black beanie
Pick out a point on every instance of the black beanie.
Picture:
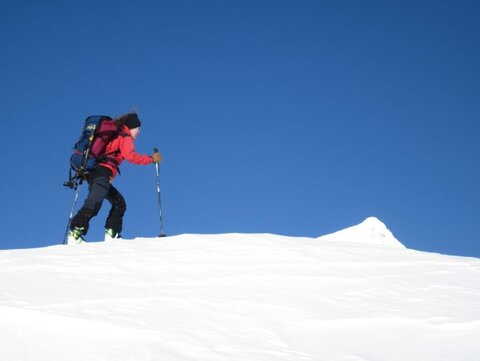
(132, 121)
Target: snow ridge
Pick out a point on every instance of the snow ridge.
(240, 297)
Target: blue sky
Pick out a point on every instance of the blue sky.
(290, 117)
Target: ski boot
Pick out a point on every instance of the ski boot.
(75, 236)
(111, 235)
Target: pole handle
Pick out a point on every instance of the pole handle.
(155, 150)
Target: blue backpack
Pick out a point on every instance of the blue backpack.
(89, 150)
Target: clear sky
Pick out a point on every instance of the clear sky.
(290, 117)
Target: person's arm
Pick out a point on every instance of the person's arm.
(127, 149)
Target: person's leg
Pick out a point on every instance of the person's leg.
(99, 185)
(115, 217)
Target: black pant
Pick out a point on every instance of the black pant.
(99, 190)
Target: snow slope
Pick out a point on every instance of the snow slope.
(355, 295)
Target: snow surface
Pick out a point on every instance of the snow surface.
(355, 295)
(370, 231)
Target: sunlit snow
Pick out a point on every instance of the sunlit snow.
(355, 295)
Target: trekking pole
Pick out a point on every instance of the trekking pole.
(159, 198)
(77, 192)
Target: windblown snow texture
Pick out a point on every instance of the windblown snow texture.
(355, 295)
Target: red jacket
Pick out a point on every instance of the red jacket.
(121, 148)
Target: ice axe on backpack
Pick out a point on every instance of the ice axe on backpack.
(159, 197)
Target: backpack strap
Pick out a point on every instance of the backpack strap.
(108, 157)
